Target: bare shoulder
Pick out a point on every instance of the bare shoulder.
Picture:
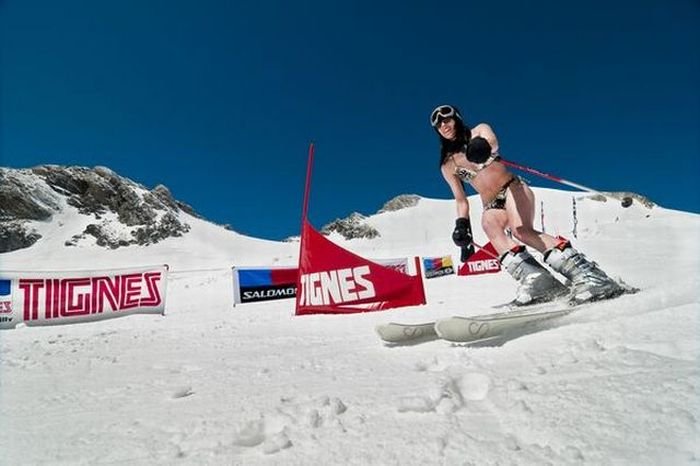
(482, 129)
(485, 131)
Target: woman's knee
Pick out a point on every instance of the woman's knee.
(491, 224)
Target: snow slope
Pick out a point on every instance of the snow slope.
(614, 383)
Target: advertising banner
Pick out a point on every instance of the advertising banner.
(482, 261)
(333, 280)
(438, 266)
(255, 284)
(56, 298)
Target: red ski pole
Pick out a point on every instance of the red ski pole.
(626, 200)
(478, 246)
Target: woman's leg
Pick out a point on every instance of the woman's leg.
(494, 223)
(535, 282)
(520, 207)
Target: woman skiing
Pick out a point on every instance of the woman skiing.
(471, 155)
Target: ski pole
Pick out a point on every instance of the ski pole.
(626, 201)
(478, 246)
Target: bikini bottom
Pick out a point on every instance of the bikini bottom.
(499, 202)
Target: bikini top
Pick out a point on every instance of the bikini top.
(467, 175)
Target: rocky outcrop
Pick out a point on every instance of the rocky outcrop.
(14, 235)
(400, 202)
(125, 212)
(604, 197)
(351, 227)
(355, 225)
(20, 200)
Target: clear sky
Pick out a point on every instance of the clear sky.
(218, 100)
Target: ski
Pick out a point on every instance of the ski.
(457, 329)
(397, 333)
(407, 333)
(476, 329)
(489, 327)
(513, 306)
(481, 328)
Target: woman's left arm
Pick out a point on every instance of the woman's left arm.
(486, 132)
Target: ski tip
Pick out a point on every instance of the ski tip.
(460, 329)
(396, 333)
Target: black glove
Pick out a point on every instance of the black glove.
(462, 237)
(478, 150)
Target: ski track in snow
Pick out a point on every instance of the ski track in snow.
(615, 382)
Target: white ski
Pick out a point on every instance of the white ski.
(406, 333)
(478, 328)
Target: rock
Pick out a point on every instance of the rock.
(354, 226)
(351, 227)
(163, 194)
(400, 202)
(14, 235)
(20, 201)
(645, 201)
(140, 217)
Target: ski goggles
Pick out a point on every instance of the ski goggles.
(441, 113)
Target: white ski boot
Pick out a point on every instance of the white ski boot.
(536, 284)
(589, 282)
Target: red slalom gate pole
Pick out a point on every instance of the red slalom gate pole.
(307, 186)
(304, 221)
(626, 201)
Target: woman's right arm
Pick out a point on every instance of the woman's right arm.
(457, 188)
(462, 234)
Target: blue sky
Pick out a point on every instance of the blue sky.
(218, 100)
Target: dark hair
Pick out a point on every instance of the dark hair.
(448, 146)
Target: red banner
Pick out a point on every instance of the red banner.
(333, 280)
(482, 261)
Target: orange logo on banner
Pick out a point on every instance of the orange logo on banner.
(333, 280)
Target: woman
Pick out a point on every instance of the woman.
(471, 155)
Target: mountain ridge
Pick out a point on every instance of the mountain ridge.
(119, 212)
(37, 194)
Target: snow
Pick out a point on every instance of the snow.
(613, 383)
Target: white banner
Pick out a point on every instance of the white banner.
(56, 298)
